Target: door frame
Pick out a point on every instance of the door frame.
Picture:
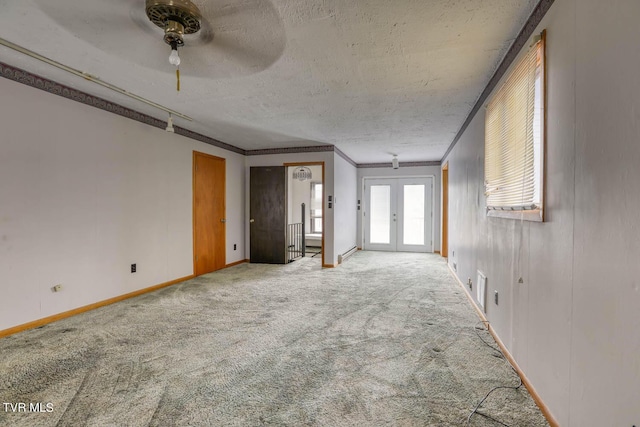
(324, 207)
(193, 201)
(433, 200)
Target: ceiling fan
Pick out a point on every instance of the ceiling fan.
(216, 38)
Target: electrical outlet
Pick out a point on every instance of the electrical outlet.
(133, 268)
(56, 288)
(495, 297)
(235, 246)
(470, 283)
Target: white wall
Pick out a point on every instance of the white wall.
(386, 172)
(83, 194)
(330, 257)
(573, 326)
(345, 205)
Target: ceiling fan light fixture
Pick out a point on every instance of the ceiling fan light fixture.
(175, 17)
(174, 58)
(173, 32)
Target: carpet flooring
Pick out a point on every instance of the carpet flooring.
(385, 339)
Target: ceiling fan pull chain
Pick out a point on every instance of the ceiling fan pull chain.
(178, 79)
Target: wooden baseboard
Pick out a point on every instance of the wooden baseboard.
(64, 315)
(328, 266)
(532, 391)
(436, 252)
(242, 261)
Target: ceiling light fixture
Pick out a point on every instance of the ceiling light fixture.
(394, 162)
(169, 127)
(302, 173)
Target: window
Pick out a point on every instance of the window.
(315, 207)
(514, 141)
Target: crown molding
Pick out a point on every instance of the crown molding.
(290, 150)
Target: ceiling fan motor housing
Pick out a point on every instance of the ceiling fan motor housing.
(175, 17)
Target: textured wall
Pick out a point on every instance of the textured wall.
(85, 193)
(573, 325)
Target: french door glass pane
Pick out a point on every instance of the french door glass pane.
(380, 219)
(413, 215)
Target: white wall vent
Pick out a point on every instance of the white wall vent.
(481, 288)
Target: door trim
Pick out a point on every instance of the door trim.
(324, 209)
(193, 203)
(433, 201)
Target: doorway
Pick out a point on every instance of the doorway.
(398, 214)
(310, 192)
(209, 222)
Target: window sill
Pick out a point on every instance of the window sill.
(534, 215)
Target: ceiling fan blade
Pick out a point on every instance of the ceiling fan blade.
(227, 8)
(244, 54)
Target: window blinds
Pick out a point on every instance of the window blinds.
(512, 145)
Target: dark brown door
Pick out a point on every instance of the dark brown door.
(267, 210)
(209, 231)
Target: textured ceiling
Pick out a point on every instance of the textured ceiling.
(371, 77)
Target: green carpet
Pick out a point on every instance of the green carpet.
(385, 339)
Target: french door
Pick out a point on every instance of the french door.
(398, 214)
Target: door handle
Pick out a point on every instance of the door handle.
(252, 220)
(223, 220)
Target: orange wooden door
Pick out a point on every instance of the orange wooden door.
(209, 231)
